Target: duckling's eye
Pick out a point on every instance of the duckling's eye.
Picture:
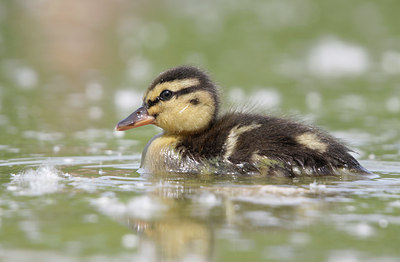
(166, 95)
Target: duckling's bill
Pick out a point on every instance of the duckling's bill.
(138, 118)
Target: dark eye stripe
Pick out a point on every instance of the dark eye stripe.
(184, 91)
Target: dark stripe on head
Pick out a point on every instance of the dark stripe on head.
(184, 91)
(179, 73)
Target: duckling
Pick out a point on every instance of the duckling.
(184, 102)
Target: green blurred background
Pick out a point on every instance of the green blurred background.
(73, 65)
(71, 69)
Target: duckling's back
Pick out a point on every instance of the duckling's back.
(270, 146)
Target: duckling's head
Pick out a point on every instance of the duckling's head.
(181, 100)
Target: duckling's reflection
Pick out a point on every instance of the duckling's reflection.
(188, 213)
(178, 234)
(177, 240)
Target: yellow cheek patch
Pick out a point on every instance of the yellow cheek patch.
(312, 141)
(174, 86)
(179, 115)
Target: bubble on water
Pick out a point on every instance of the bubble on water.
(361, 230)
(300, 238)
(394, 204)
(21, 74)
(350, 208)
(383, 223)
(143, 207)
(25, 77)
(90, 218)
(31, 229)
(352, 102)
(108, 152)
(208, 199)
(313, 100)
(139, 69)
(68, 160)
(344, 255)
(94, 91)
(334, 58)
(393, 104)
(261, 218)
(237, 95)
(391, 62)
(56, 148)
(265, 98)
(44, 180)
(127, 100)
(130, 241)
(119, 134)
(280, 253)
(110, 206)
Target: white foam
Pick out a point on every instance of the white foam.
(395, 203)
(33, 182)
(209, 200)
(317, 188)
(360, 230)
(130, 241)
(334, 58)
(143, 207)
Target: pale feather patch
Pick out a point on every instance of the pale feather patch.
(180, 116)
(174, 86)
(160, 156)
(158, 151)
(183, 109)
(312, 141)
(233, 136)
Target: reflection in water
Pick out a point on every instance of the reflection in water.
(179, 216)
(183, 218)
(177, 240)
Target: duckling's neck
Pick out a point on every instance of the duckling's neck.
(193, 133)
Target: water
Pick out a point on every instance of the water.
(71, 188)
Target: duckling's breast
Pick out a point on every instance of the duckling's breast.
(161, 155)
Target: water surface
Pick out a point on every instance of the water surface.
(71, 188)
